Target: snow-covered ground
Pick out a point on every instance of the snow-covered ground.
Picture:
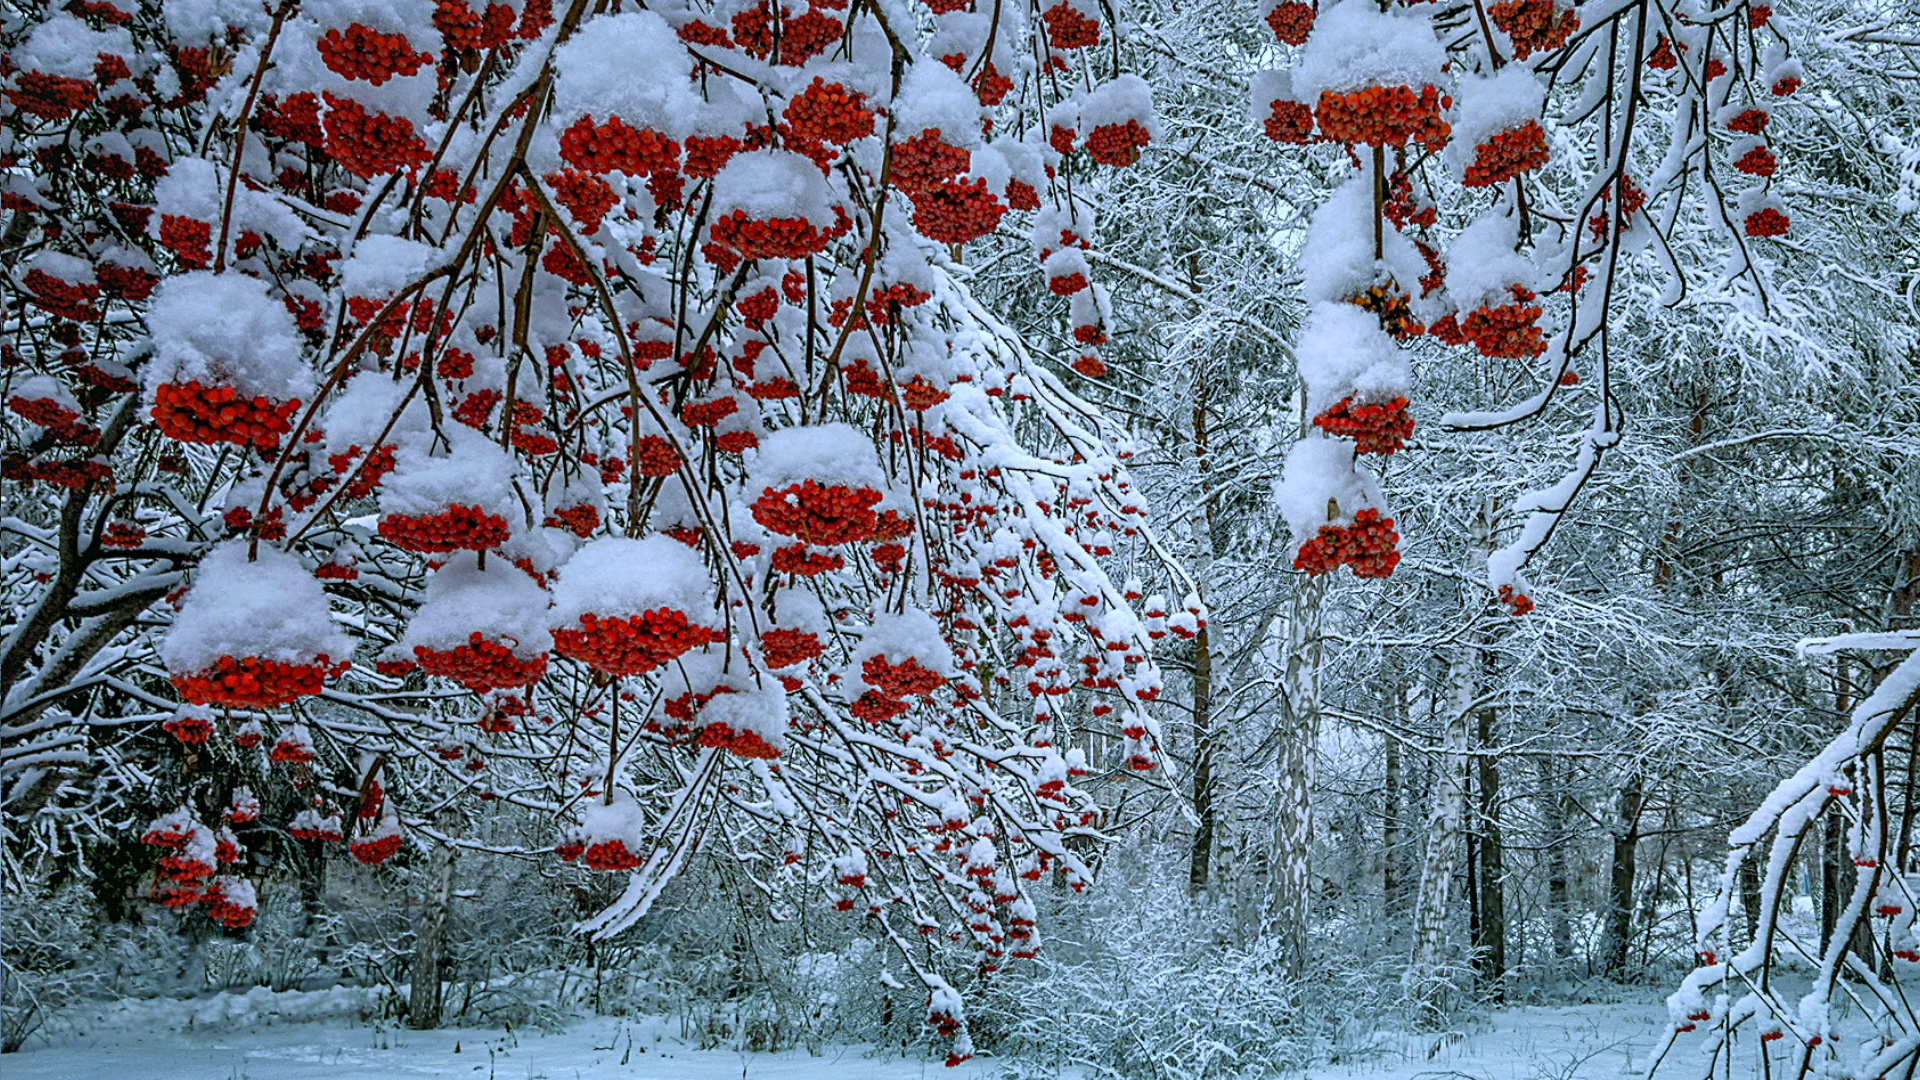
(315, 1036)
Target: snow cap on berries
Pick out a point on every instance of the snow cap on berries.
(614, 576)
(1356, 45)
(224, 329)
(629, 65)
(1320, 469)
(270, 608)
(496, 601)
(1344, 353)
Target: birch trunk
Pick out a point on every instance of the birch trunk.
(430, 944)
(1449, 790)
(1290, 887)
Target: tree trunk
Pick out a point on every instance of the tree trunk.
(1290, 890)
(1390, 839)
(1617, 921)
(1199, 864)
(1490, 947)
(1449, 794)
(1750, 896)
(1553, 815)
(430, 944)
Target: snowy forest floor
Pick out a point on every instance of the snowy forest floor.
(250, 1037)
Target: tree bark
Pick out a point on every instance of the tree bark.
(1449, 795)
(1390, 839)
(1553, 815)
(1490, 947)
(430, 944)
(1617, 923)
(1290, 891)
(1200, 861)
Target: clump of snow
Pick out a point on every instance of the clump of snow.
(761, 710)
(615, 576)
(382, 265)
(1356, 45)
(225, 329)
(910, 635)
(1343, 352)
(1486, 105)
(933, 97)
(1337, 257)
(768, 184)
(1268, 87)
(1119, 100)
(65, 46)
(429, 476)
(619, 817)
(45, 388)
(498, 602)
(1482, 265)
(1321, 485)
(629, 65)
(270, 608)
(197, 22)
(825, 453)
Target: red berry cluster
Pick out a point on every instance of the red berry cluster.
(630, 645)
(363, 53)
(784, 646)
(1289, 122)
(481, 665)
(465, 30)
(67, 299)
(367, 480)
(1517, 602)
(190, 240)
(190, 728)
(580, 520)
(50, 97)
(584, 195)
(919, 395)
(122, 536)
(192, 412)
(69, 473)
(899, 681)
(1506, 330)
(226, 910)
(1369, 546)
(372, 851)
(1508, 154)
(1117, 144)
(801, 37)
(609, 855)
(1533, 25)
(743, 237)
(804, 560)
(819, 514)
(456, 528)
(616, 147)
(1068, 29)
(654, 456)
(1663, 58)
(1767, 221)
(43, 412)
(1291, 22)
(1750, 121)
(369, 144)
(924, 160)
(1375, 428)
(326, 830)
(1393, 307)
(1757, 161)
(1385, 116)
(956, 211)
(746, 744)
(1089, 365)
(251, 682)
(829, 113)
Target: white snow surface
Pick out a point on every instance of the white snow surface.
(826, 453)
(270, 608)
(1343, 352)
(1482, 265)
(1337, 257)
(64, 46)
(470, 470)
(225, 329)
(1319, 469)
(768, 184)
(499, 602)
(1485, 106)
(629, 65)
(615, 576)
(910, 635)
(933, 96)
(1355, 45)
